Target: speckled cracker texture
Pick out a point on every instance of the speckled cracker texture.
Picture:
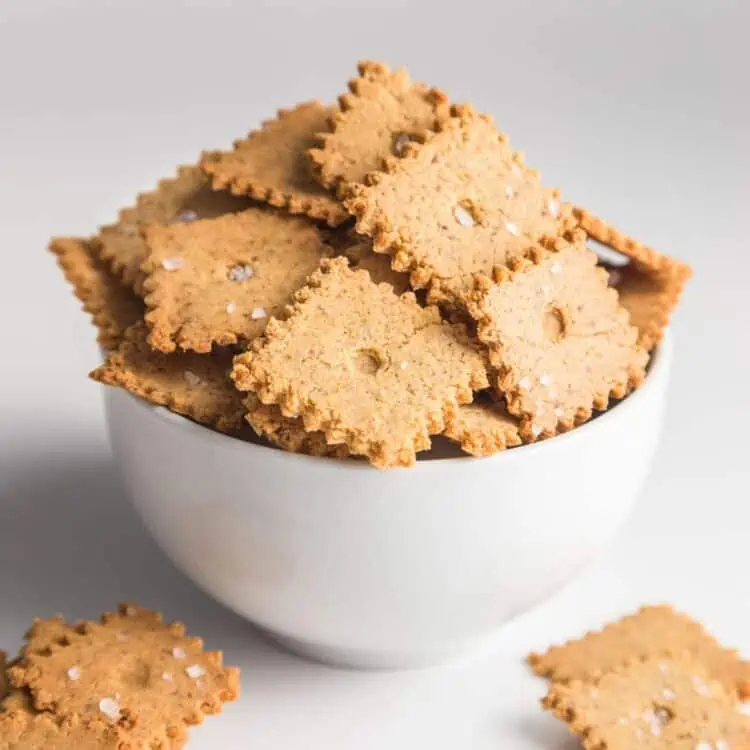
(372, 370)
(559, 339)
(272, 165)
(652, 632)
(288, 432)
(377, 119)
(217, 281)
(182, 198)
(652, 705)
(195, 385)
(650, 297)
(483, 427)
(144, 677)
(458, 203)
(113, 307)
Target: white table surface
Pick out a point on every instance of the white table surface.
(638, 110)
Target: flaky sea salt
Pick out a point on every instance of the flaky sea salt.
(194, 671)
(178, 653)
(240, 272)
(74, 673)
(512, 228)
(172, 264)
(231, 307)
(553, 206)
(110, 708)
(463, 217)
(167, 677)
(555, 269)
(258, 313)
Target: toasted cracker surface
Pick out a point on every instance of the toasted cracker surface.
(650, 297)
(483, 427)
(459, 203)
(112, 306)
(272, 165)
(559, 339)
(182, 198)
(371, 369)
(218, 281)
(383, 111)
(652, 632)
(195, 385)
(653, 705)
(143, 676)
(643, 255)
(288, 432)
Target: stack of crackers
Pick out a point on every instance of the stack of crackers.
(126, 682)
(354, 279)
(654, 680)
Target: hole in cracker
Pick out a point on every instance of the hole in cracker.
(368, 361)
(553, 323)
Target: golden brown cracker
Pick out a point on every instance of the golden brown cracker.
(371, 369)
(383, 111)
(558, 337)
(643, 255)
(272, 165)
(653, 705)
(218, 281)
(458, 203)
(195, 385)
(650, 297)
(651, 632)
(131, 670)
(112, 306)
(288, 432)
(183, 198)
(483, 427)
(358, 251)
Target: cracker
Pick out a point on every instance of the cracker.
(195, 385)
(182, 198)
(358, 251)
(218, 281)
(383, 111)
(483, 427)
(371, 369)
(140, 675)
(559, 339)
(654, 705)
(272, 165)
(112, 306)
(651, 632)
(643, 255)
(288, 432)
(650, 297)
(457, 203)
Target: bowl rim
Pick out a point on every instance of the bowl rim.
(659, 364)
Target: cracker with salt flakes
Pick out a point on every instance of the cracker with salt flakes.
(384, 110)
(652, 632)
(459, 202)
(371, 369)
(558, 338)
(217, 281)
(146, 678)
(272, 165)
(183, 198)
(113, 307)
(483, 427)
(655, 704)
(195, 385)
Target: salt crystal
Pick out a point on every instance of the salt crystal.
(404, 365)
(463, 217)
(545, 379)
(172, 264)
(231, 307)
(167, 677)
(722, 745)
(258, 313)
(195, 671)
(110, 708)
(74, 673)
(669, 694)
(555, 269)
(178, 653)
(186, 216)
(553, 206)
(512, 228)
(400, 142)
(240, 272)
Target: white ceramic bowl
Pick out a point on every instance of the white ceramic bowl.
(356, 566)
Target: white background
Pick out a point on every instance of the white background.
(639, 110)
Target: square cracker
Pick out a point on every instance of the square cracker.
(144, 677)
(383, 111)
(217, 281)
(654, 705)
(113, 307)
(371, 369)
(459, 202)
(272, 165)
(182, 198)
(649, 296)
(652, 632)
(558, 338)
(195, 385)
